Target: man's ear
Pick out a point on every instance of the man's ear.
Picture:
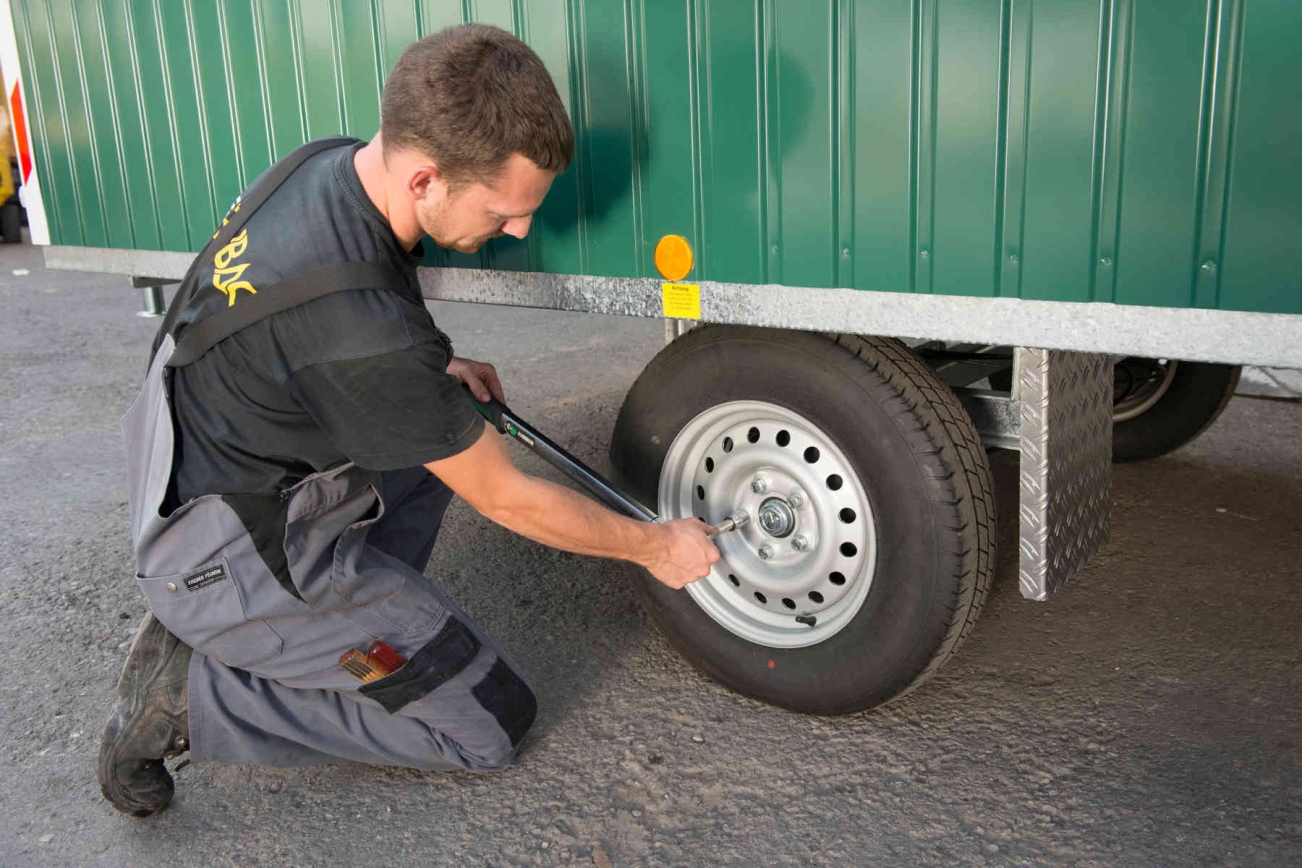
(425, 179)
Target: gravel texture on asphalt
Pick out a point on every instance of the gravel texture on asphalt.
(1150, 714)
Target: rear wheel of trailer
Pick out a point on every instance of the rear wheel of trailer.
(1160, 405)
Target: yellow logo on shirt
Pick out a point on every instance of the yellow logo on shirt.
(227, 275)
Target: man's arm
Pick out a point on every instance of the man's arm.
(676, 552)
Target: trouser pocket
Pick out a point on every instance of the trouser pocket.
(381, 584)
(438, 661)
(334, 566)
(204, 608)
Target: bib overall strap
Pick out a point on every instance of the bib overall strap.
(239, 215)
(202, 336)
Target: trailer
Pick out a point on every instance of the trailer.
(885, 239)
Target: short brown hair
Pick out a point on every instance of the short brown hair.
(471, 96)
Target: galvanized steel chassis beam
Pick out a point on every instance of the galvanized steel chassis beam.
(1232, 337)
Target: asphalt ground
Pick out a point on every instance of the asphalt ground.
(1148, 715)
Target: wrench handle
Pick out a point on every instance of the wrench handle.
(504, 420)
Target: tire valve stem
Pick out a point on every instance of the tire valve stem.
(808, 620)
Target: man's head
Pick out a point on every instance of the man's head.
(473, 132)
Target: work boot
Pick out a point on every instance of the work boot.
(149, 724)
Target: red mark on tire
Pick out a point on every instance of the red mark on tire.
(772, 664)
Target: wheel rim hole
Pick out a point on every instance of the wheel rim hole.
(753, 435)
(849, 549)
(836, 578)
(709, 465)
(783, 438)
(736, 582)
(761, 597)
(848, 516)
(812, 454)
(700, 492)
(727, 444)
(834, 482)
(788, 602)
(815, 597)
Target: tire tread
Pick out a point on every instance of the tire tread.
(961, 467)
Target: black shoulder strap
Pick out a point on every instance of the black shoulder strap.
(269, 184)
(239, 215)
(203, 335)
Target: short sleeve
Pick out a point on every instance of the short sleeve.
(390, 410)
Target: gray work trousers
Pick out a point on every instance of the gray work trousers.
(312, 718)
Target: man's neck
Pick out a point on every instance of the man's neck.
(374, 175)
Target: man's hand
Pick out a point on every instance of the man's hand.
(481, 377)
(686, 554)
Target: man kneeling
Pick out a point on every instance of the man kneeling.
(302, 429)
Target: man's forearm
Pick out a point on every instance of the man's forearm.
(556, 516)
(677, 552)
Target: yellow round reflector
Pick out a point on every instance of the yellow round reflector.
(673, 257)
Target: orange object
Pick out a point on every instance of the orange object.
(19, 120)
(382, 657)
(378, 661)
(673, 257)
(355, 662)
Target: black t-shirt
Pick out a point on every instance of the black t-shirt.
(358, 375)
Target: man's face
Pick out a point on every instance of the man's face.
(465, 218)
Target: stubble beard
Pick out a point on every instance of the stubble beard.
(434, 222)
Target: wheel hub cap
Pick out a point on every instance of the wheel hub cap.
(776, 518)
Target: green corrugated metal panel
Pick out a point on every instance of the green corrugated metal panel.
(1074, 150)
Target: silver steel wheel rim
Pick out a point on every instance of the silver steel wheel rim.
(1148, 395)
(760, 599)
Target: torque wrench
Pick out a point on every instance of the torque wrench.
(505, 420)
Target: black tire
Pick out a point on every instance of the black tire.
(1194, 398)
(921, 465)
(11, 223)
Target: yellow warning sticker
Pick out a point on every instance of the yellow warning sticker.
(682, 300)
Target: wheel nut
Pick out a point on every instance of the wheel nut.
(765, 552)
(759, 485)
(796, 499)
(800, 542)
